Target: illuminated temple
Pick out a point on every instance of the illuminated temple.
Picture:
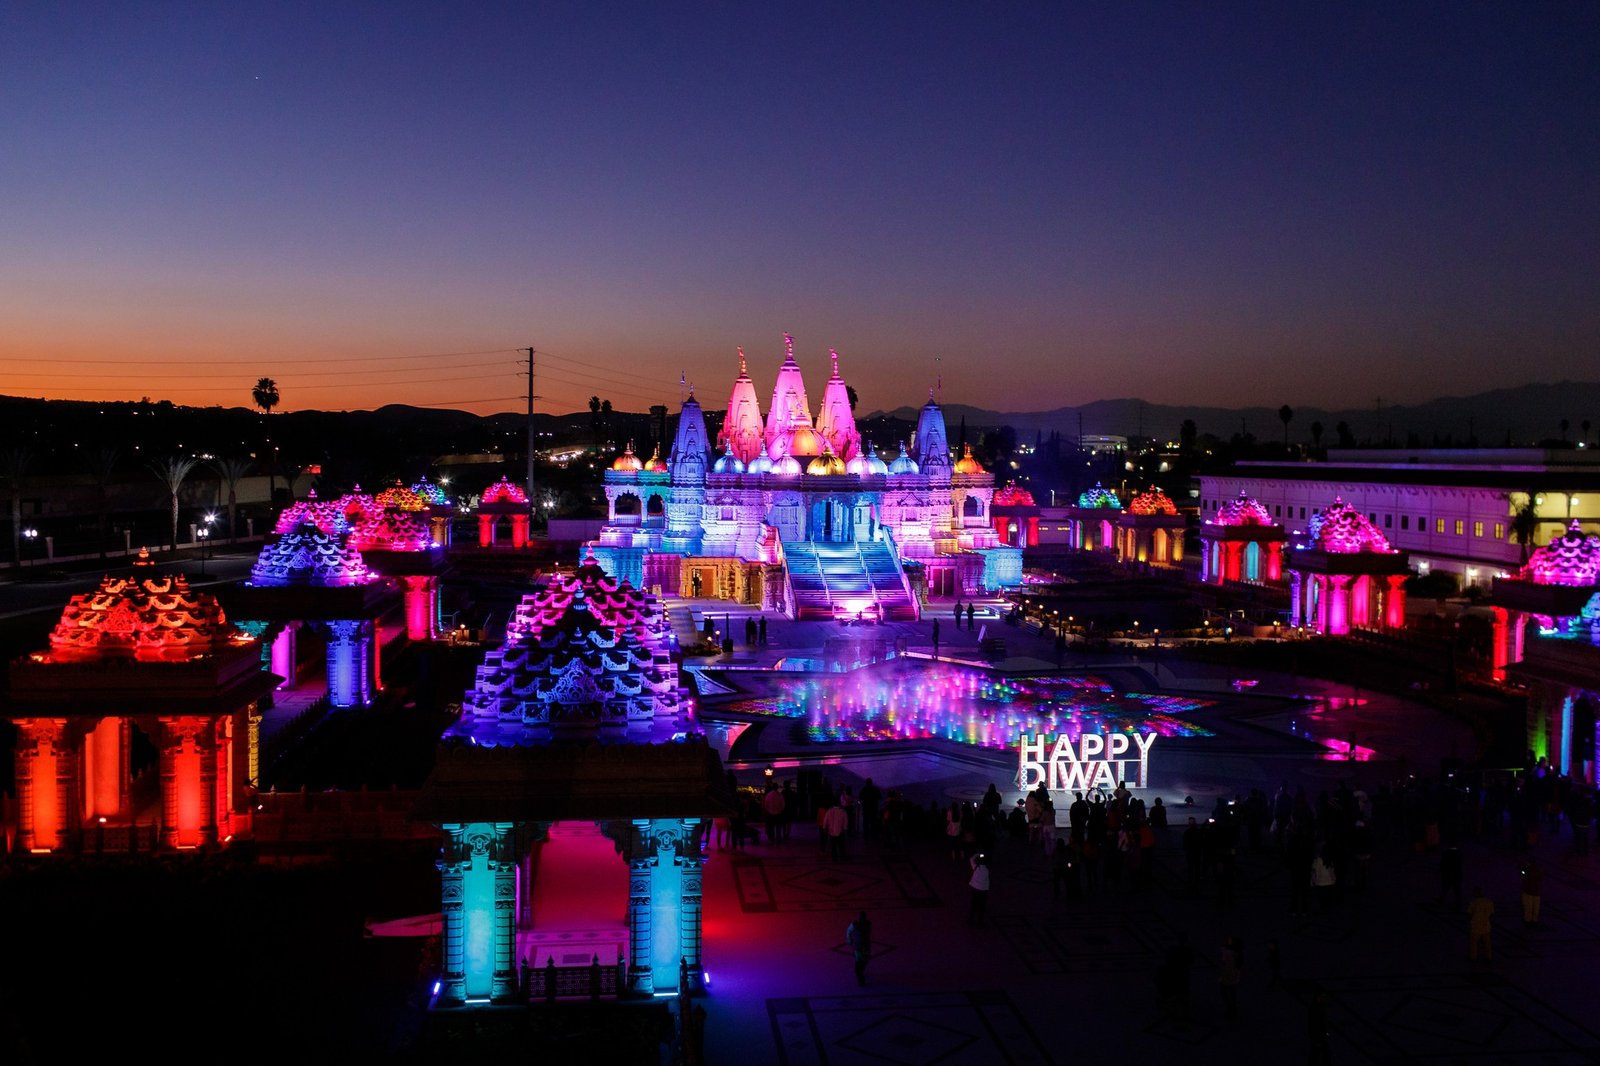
(796, 513)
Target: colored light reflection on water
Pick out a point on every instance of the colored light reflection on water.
(968, 707)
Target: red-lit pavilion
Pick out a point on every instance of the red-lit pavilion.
(1241, 543)
(502, 500)
(147, 655)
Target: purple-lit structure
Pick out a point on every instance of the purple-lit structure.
(1241, 542)
(312, 577)
(1092, 522)
(579, 716)
(1345, 575)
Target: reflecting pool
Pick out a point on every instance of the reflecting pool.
(944, 701)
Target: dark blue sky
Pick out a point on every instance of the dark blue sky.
(1047, 204)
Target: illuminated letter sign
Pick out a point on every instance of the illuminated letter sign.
(1088, 761)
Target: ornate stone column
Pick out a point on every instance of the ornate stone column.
(486, 530)
(46, 770)
(1274, 561)
(349, 649)
(1394, 612)
(188, 782)
(1338, 609)
(690, 870)
(1296, 608)
(642, 859)
(422, 591)
(478, 878)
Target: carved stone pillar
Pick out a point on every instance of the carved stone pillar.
(422, 592)
(1296, 607)
(690, 864)
(478, 899)
(46, 770)
(641, 879)
(1394, 608)
(349, 654)
(188, 782)
(1338, 609)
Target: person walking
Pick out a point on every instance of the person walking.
(859, 936)
(970, 613)
(1532, 886)
(772, 806)
(761, 630)
(979, 884)
(1480, 926)
(935, 638)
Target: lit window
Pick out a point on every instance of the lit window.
(1388, 521)
(1499, 531)
(1438, 525)
(1405, 521)
(1461, 526)
(1477, 529)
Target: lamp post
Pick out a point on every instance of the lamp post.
(203, 535)
(30, 534)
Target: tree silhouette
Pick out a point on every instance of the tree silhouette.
(1347, 439)
(1188, 433)
(265, 395)
(1316, 434)
(1585, 426)
(230, 472)
(605, 419)
(14, 466)
(1285, 415)
(102, 466)
(850, 391)
(594, 419)
(173, 472)
(1564, 427)
(1524, 521)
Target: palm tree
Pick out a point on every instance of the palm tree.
(14, 466)
(173, 471)
(230, 472)
(265, 395)
(1524, 521)
(102, 467)
(1285, 415)
(1316, 434)
(605, 418)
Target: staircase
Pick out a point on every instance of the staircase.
(828, 579)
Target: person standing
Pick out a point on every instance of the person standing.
(1532, 886)
(970, 613)
(1230, 972)
(761, 630)
(958, 612)
(836, 823)
(772, 806)
(1480, 925)
(935, 638)
(979, 884)
(859, 936)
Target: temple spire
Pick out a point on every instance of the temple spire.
(742, 371)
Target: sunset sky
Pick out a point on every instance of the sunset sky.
(1047, 204)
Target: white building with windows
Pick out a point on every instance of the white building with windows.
(1449, 509)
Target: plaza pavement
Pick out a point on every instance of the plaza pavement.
(1048, 982)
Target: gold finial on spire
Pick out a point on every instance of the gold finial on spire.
(833, 353)
(742, 371)
(788, 344)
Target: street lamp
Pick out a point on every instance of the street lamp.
(30, 534)
(203, 535)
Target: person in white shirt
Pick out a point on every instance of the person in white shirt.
(980, 889)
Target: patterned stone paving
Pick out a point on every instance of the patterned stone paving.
(768, 884)
(1088, 943)
(903, 1029)
(1451, 1018)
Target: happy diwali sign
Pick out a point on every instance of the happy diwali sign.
(1066, 763)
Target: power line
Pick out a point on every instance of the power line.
(256, 363)
(140, 376)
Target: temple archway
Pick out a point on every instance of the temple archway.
(627, 506)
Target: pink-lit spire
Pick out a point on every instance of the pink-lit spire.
(788, 346)
(741, 428)
(743, 371)
(836, 422)
(789, 407)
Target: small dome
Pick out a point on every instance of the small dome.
(1343, 530)
(1243, 511)
(786, 466)
(1013, 496)
(904, 464)
(503, 491)
(431, 494)
(727, 462)
(654, 464)
(967, 464)
(309, 556)
(397, 497)
(1152, 501)
(762, 463)
(392, 531)
(826, 464)
(1570, 559)
(627, 462)
(806, 443)
(1100, 496)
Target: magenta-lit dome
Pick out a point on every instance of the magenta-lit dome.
(1013, 496)
(393, 531)
(1243, 511)
(1100, 496)
(503, 491)
(326, 515)
(1570, 559)
(1342, 530)
(355, 505)
(309, 556)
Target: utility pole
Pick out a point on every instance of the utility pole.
(533, 504)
